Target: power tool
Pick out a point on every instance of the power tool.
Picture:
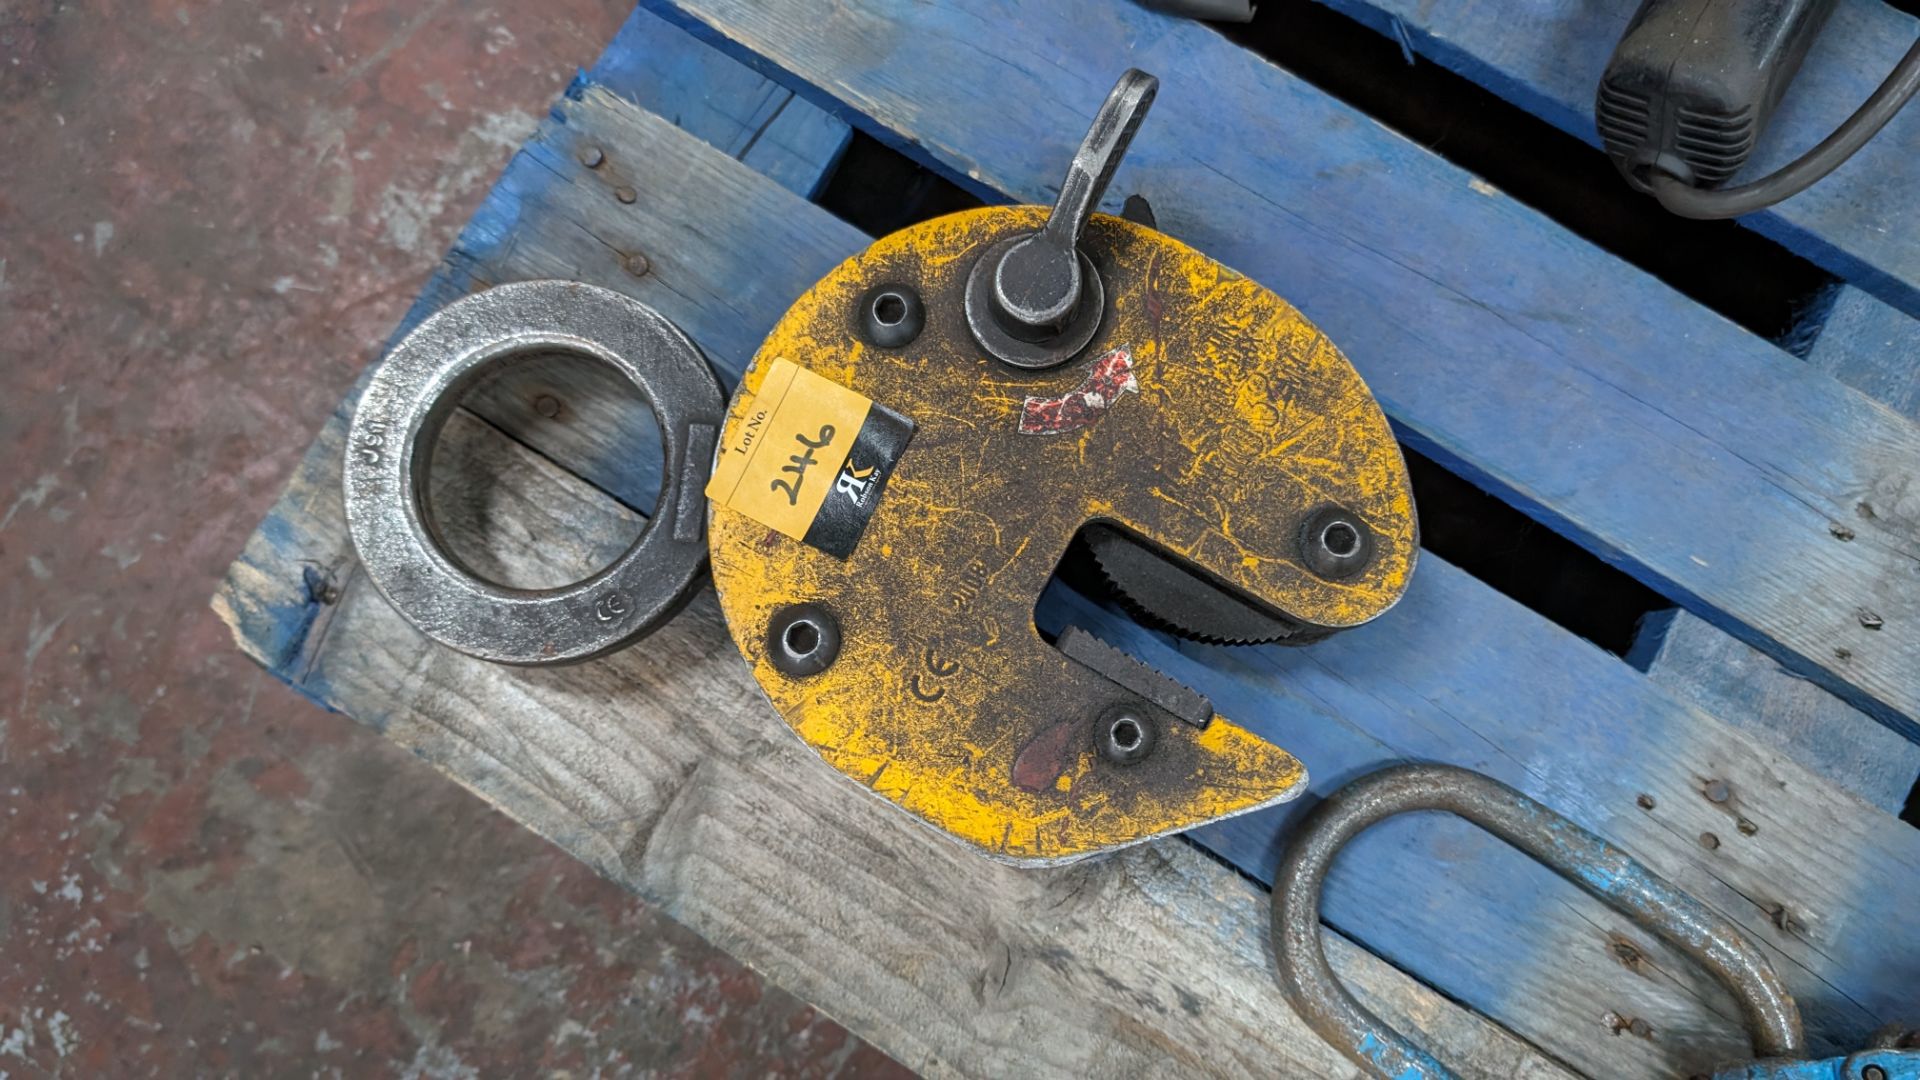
(1690, 90)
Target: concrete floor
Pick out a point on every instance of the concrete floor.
(211, 214)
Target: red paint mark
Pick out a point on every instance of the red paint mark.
(1084, 405)
(1040, 762)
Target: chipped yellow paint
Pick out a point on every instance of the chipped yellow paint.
(945, 699)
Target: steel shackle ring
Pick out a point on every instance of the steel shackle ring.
(419, 385)
(1599, 868)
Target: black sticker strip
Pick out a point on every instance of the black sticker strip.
(861, 481)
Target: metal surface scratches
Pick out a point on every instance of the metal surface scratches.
(1245, 418)
(1061, 372)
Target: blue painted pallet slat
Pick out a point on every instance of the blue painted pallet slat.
(1743, 686)
(1872, 347)
(1547, 56)
(702, 91)
(727, 105)
(672, 74)
(1668, 441)
(1460, 674)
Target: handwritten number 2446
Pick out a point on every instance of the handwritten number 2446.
(799, 463)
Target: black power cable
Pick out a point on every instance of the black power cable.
(1801, 173)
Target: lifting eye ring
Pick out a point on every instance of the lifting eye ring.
(1604, 871)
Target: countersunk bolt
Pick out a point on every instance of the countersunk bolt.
(1709, 841)
(1869, 619)
(1124, 737)
(1873, 1072)
(637, 264)
(1335, 544)
(1717, 791)
(547, 405)
(592, 157)
(803, 640)
(892, 315)
(626, 194)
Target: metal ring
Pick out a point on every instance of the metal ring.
(418, 386)
(1601, 869)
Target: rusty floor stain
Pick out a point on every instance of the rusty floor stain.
(211, 214)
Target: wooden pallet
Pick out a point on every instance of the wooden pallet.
(1683, 449)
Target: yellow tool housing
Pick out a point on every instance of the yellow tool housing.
(944, 698)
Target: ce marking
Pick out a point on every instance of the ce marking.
(938, 669)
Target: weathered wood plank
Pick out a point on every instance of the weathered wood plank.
(667, 771)
(1547, 58)
(637, 762)
(725, 104)
(1732, 680)
(725, 859)
(1663, 438)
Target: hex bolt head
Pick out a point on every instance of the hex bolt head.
(803, 640)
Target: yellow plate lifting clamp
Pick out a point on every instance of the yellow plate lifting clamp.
(925, 433)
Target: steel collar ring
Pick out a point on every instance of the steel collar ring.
(390, 450)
